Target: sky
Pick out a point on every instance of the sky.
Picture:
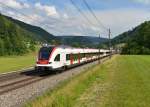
(61, 17)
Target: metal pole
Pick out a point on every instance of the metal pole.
(99, 60)
(109, 43)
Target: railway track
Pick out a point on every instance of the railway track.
(18, 84)
(15, 81)
(10, 76)
(22, 79)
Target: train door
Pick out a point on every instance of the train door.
(57, 61)
(71, 59)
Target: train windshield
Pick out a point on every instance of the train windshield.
(45, 53)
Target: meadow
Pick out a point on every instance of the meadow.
(123, 81)
(14, 63)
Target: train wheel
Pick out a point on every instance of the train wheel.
(64, 68)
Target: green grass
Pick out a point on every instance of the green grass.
(124, 81)
(131, 83)
(13, 63)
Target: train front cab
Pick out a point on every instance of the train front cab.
(49, 58)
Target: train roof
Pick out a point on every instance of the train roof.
(73, 48)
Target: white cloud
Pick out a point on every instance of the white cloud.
(94, 28)
(121, 20)
(11, 13)
(1, 8)
(71, 22)
(33, 19)
(65, 16)
(15, 4)
(30, 19)
(50, 10)
(26, 5)
(142, 1)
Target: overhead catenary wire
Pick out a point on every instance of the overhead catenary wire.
(94, 15)
(88, 20)
(82, 13)
(80, 25)
(66, 10)
(99, 22)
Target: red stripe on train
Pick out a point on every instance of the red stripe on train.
(71, 59)
(42, 62)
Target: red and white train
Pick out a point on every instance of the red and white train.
(62, 57)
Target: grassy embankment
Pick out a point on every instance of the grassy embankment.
(124, 81)
(13, 63)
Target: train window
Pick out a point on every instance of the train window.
(67, 57)
(45, 52)
(82, 55)
(57, 58)
(75, 56)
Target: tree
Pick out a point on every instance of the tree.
(137, 41)
(2, 48)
